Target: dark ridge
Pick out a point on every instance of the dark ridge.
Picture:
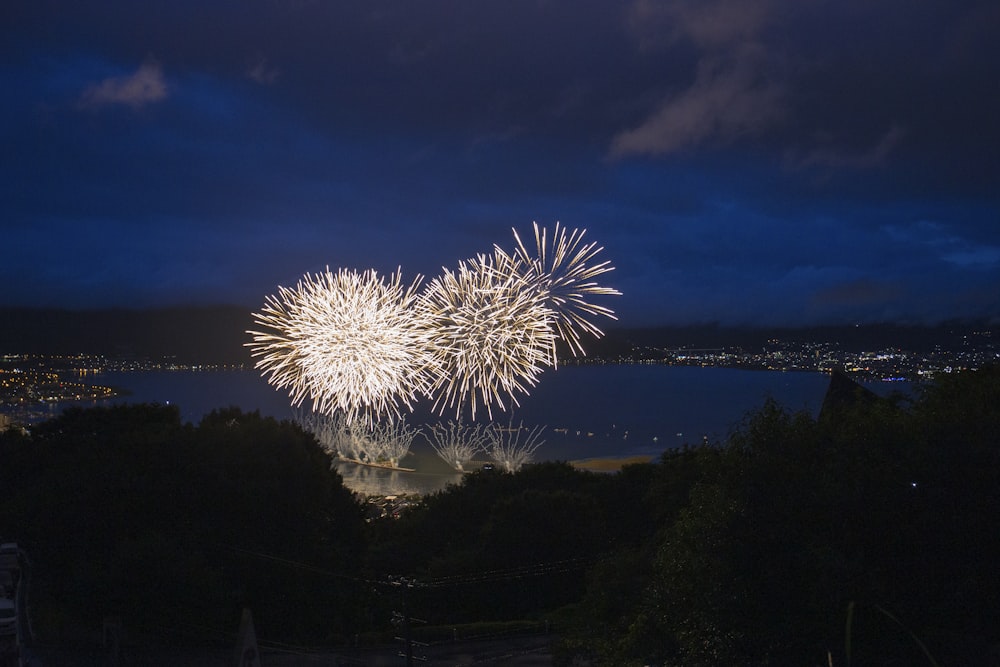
(217, 335)
(194, 335)
(852, 338)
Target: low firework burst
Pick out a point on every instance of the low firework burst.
(511, 446)
(384, 443)
(347, 341)
(563, 273)
(493, 335)
(457, 442)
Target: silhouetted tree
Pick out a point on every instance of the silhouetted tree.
(887, 506)
(175, 528)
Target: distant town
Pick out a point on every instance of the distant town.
(973, 349)
(31, 382)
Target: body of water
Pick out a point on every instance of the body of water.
(589, 411)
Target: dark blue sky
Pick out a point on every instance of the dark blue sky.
(741, 161)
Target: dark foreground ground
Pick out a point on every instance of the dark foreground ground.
(521, 651)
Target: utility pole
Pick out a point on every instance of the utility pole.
(408, 638)
(403, 619)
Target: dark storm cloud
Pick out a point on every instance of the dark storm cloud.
(739, 160)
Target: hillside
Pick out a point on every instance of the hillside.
(218, 334)
(192, 335)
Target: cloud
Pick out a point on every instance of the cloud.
(735, 91)
(947, 245)
(754, 136)
(707, 23)
(728, 99)
(263, 72)
(873, 157)
(980, 258)
(136, 90)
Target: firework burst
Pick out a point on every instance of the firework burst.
(355, 344)
(564, 273)
(457, 443)
(346, 341)
(493, 334)
(512, 446)
(385, 442)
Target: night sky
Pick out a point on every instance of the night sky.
(776, 162)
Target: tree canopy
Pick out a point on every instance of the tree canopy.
(866, 535)
(127, 512)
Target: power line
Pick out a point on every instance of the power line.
(299, 565)
(511, 573)
(499, 574)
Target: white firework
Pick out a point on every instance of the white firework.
(493, 335)
(512, 446)
(564, 273)
(347, 341)
(384, 443)
(457, 442)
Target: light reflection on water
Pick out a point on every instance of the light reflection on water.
(429, 474)
(371, 481)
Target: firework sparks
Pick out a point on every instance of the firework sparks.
(563, 273)
(347, 341)
(457, 442)
(493, 333)
(513, 446)
(386, 442)
(356, 344)
(379, 443)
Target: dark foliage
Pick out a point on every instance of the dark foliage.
(126, 512)
(500, 545)
(749, 552)
(885, 507)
